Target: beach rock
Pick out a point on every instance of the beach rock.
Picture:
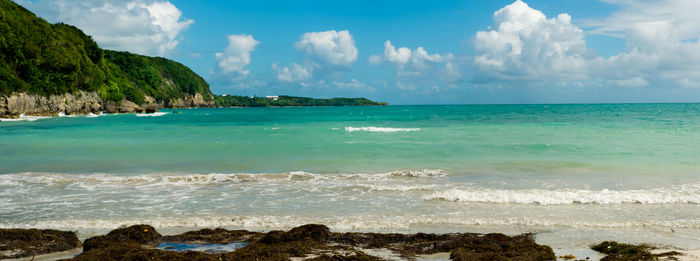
(619, 251)
(137, 234)
(501, 247)
(17, 243)
(312, 242)
(216, 236)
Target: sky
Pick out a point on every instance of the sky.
(412, 52)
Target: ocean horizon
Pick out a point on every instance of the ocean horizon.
(573, 173)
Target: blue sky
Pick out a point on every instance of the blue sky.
(439, 52)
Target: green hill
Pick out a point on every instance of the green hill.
(40, 58)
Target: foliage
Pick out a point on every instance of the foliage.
(244, 101)
(42, 58)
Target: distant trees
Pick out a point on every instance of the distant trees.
(244, 101)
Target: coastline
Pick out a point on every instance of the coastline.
(317, 241)
(205, 166)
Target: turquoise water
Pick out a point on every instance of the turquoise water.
(584, 170)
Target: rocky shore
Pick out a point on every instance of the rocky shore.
(87, 102)
(308, 242)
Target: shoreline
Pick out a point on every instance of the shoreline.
(383, 250)
(319, 241)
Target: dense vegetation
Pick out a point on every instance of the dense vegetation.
(244, 101)
(41, 58)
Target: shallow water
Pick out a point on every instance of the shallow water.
(574, 173)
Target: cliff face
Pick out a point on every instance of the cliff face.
(86, 102)
(22, 103)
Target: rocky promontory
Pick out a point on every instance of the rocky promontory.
(88, 102)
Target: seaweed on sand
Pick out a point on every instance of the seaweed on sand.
(622, 252)
(311, 242)
(16, 243)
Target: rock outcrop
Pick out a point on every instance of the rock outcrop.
(18, 243)
(309, 242)
(87, 102)
(189, 101)
(69, 104)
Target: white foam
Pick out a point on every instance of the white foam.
(423, 173)
(62, 114)
(347, 223)
(22, 117)
(155, 114)
(92, 115)
(99, 179)
(380, 129)
(682, 194)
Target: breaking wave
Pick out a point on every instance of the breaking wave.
(214, 178)
(682, 194)
(155, 114)
(22, 117)
(348, 223)
(379, 129)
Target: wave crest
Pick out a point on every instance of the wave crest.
(684, 194)
(22, 117)
(380, 129)
(349, 223)
(155, 114)
(213, 178)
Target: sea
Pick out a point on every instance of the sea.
(574, 175)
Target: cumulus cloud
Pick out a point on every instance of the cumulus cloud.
(413, 62)
(526, 45)
(327, 51)
(141, 26)
(293, 72)
(237, 55)
(662, 42)
(353, 84)
(331, 47)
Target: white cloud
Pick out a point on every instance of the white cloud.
(353, 84)
(141, 26)
(632, 82)
(411, 63)
(293, 72)
(525, 45)
(375, 59)
(237, 55)
(327, 51)
(331, 47)
(417, 70)
(662, 41)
